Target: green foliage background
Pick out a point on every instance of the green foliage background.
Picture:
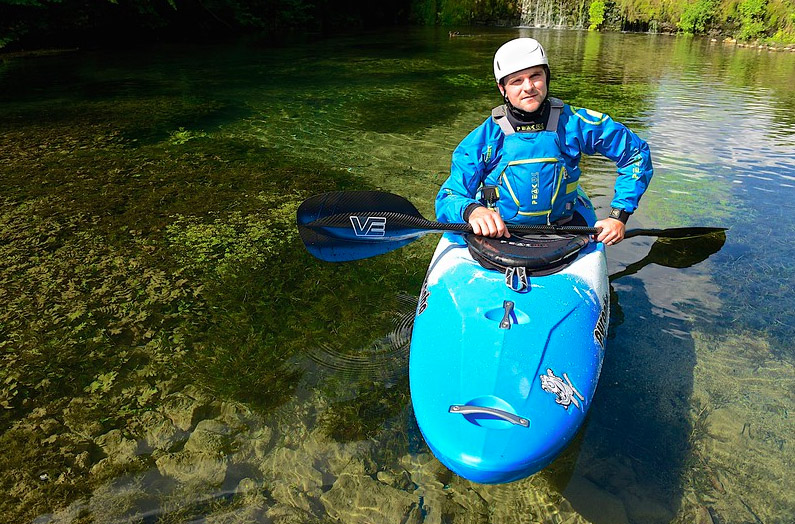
(41, 23)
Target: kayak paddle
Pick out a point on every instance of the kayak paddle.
(351, 225)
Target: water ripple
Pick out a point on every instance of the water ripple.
(385, 359)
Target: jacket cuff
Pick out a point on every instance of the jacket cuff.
(469, 209)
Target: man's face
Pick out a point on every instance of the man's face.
(526, 89)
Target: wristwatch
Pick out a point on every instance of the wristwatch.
(619, 214)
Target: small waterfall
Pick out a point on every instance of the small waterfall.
(582, 16)
(543, 13)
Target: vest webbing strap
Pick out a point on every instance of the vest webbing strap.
(499, 115)
(556, 106)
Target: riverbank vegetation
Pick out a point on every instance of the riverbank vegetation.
(43, 23)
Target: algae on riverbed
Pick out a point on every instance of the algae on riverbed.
(131, 270)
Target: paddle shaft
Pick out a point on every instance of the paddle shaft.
(418, 225)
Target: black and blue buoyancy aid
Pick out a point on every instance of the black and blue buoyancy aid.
(532, 183)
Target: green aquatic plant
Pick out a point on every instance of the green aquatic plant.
(465, 80)
(363, 416)
(182, 135)
(131, 268)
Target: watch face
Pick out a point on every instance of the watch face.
(619, 214)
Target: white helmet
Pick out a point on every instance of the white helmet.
(518, 54)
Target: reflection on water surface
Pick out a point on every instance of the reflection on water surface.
(171, 353)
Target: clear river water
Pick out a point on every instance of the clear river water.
(170, 352)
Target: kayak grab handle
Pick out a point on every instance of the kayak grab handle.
(498, 413)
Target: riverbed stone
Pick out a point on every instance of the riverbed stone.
(398, 478)
(252, 446)
(286, 514)
(641, 508)
(425, 470)
(442, 505)
(248, 487)
(293, 496)
(235, 416)
(81, 461)
(118, 448)
(187, 408)
(118, 500)
(160, 433)
(293, 467)
(193, 468)
(335, 458)
(209, 436)
(356, 499)
(250, 506)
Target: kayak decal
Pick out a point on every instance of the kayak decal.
(423, 303)
(600, 331)
(565, 393)
(370, 227)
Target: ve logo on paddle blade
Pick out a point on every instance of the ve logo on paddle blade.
(370, 227)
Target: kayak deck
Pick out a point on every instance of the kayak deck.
(501, 381)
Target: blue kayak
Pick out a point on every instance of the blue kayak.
(504, 365)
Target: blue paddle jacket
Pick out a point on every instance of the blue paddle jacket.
(535, 175)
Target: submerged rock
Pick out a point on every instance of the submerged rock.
(193, 468)
(160, 433)
(357, 499)
(398, 478)
(210, 436)
(594, 502)
(335, 458)
(425, 470)
(250, 505)
(117, 447)
(293, 467)
(186, 409)
(252, 446)
(452, 506)
(285, 514)
(292, 496)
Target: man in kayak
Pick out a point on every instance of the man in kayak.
(521, 165)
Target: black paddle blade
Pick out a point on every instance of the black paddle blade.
(678, 253)
(352, 225)
(674, 232)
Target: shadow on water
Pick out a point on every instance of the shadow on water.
(676, 253)
(637, 444)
